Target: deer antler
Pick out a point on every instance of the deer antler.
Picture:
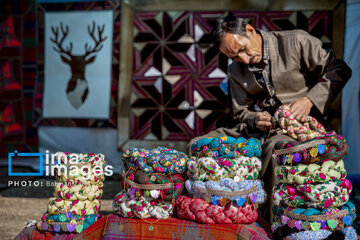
(65, 32)
(97, 46)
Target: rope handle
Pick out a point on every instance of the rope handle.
(299, 147)
(224, 193)
(316, 217)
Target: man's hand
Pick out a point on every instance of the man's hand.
(301, 108)
(263, 121)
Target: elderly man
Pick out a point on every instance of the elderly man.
(271, 69)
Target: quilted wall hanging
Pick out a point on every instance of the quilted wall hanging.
(179, 86)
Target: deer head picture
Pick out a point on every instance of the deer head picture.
(77, 88)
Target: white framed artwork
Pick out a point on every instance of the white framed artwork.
(77, 67)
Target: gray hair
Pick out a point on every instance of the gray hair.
(228, 24)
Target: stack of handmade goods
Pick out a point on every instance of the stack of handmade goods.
(223, 185)
(75, 203)
(152, 182)
(311, 199)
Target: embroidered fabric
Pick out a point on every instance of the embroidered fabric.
(66, 222)
(141, 206)
(349, 232)
(285, 232)
(312, 173)
(160, 159)
(227, 187)
(166, 185)
(226, 146)
(85, 207)
(320, 196)
(75, 202)
(299, 131)
(207, 168)
(315, 219)
(77, 192)
(330, 147)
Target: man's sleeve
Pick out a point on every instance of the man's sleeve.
(241, 103)
(333, 72)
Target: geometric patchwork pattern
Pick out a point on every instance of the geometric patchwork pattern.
(179, 84)
(317, 23)
(177, 77)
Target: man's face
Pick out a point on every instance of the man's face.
(245, 49)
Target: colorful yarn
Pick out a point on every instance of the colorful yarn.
(152, 179)
(205, 190)
(227, 147)
(207, 168)
(141, 206)
(160, 159)
(312, 173)
(299, 131)
(314, 219)
(330, 147)
(323, 195)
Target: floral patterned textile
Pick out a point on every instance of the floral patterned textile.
(334, 148)
(349, 232)
(226, 146)
(198, 189)
(59, 206)
(312, 173)
(196, 209)
(299, 131)
(207, 168)
(141, 206)
(282, 216)
(144, 178)
(322, 195)
(77, 191)
(75, 202)
(160, 159)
